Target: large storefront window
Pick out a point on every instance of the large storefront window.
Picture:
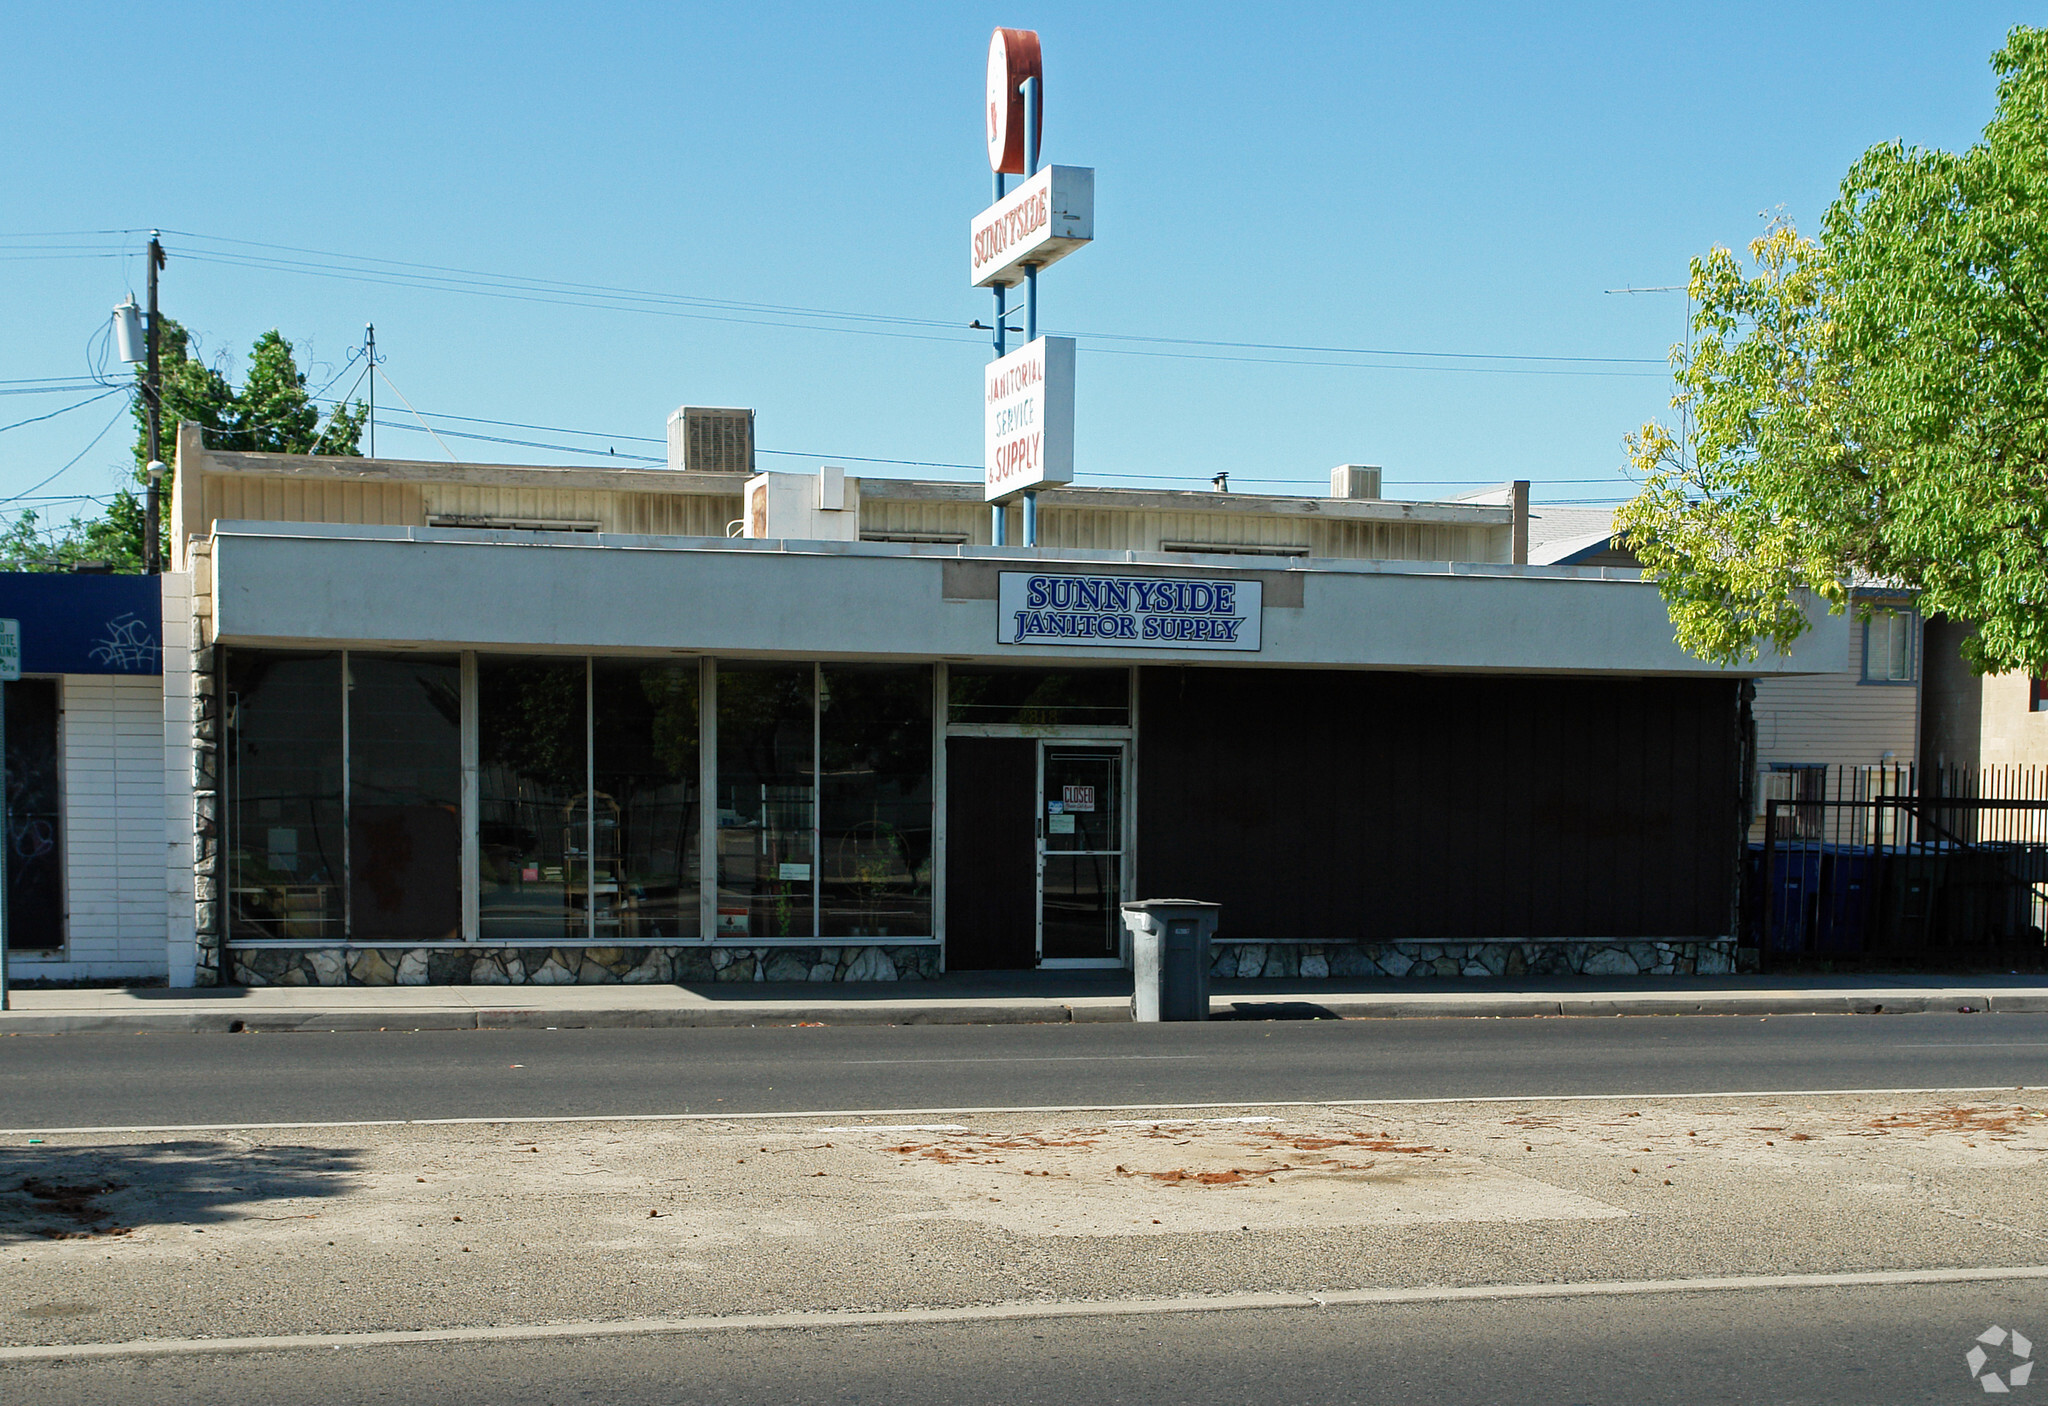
(875, 800)
(767, 800)
(404, 798)
(532, 775)
(284, 836)
(646, 803)
(345, 800)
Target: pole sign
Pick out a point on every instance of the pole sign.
(10, 650)
(1013, 56)
(1028, 418)
(1132, 612)
(1039, 223)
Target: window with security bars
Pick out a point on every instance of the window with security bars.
(1790, 785)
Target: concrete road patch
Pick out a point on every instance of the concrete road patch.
(402, 1227)
(1221, 1176)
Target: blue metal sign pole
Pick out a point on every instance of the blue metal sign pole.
(997, 511)
(10, 670)
(1030, 280)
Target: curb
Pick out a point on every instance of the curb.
(1108, 1011)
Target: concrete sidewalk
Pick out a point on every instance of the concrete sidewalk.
(981, 998)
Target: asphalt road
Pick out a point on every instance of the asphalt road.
(168, 1080)
(1890, 1344)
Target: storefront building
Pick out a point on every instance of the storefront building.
(451, 723)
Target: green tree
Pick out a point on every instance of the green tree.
(1872, 406)
(273, 413)
(192, 390)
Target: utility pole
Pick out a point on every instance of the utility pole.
(153, 398)
(370, 353)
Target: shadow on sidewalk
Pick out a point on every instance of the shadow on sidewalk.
(88, 1193)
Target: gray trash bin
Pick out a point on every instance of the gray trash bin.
(1170, 957)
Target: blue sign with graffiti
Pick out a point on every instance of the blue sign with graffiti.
(85, 624)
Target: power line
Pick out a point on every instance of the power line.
(74, 459)
(520, 287)
(632, 294)
(904, 463)
(38, 419)
(829, 458)
(524, 443)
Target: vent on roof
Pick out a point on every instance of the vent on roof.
(1237, 549)
(710, 439)
(1355, 481)
(515, 524)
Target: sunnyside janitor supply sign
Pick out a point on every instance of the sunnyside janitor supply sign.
(1028, 420)
(1127, 611)
(1039, 223)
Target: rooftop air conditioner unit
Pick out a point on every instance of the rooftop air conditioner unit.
(1355, 481)
(708, 439)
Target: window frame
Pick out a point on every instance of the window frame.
(471, 935)
(1896, 616)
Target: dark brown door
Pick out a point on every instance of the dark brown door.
(991, 854)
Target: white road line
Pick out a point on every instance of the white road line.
(803, 1115)
(1025, 1059)
(985, 1313)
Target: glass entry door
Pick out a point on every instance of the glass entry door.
(1080, 854)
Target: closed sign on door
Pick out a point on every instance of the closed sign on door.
(1078, 798)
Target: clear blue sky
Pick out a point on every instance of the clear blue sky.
(1441, 178)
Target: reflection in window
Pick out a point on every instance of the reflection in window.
(647, 815)
(405, 797)
(875, 799)
(766, 800)
(534, 810)
(284, 829)
(993, 693)
(35, 875)
(1888, 646)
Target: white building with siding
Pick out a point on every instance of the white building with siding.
(86, 836)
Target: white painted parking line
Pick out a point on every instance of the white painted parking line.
(984, 1313)
(805, 1115)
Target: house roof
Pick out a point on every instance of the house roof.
(1560, 534)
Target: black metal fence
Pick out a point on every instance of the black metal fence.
(1884, 866)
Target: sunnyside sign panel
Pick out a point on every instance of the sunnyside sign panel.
(1131, 612)
(1039, 223)
(1028, 419)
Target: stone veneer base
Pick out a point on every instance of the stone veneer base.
(595, 966)
(575, 966)
(1317, 960)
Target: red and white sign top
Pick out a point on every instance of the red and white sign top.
(1012, 58)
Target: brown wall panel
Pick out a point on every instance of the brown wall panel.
(1377, 806)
